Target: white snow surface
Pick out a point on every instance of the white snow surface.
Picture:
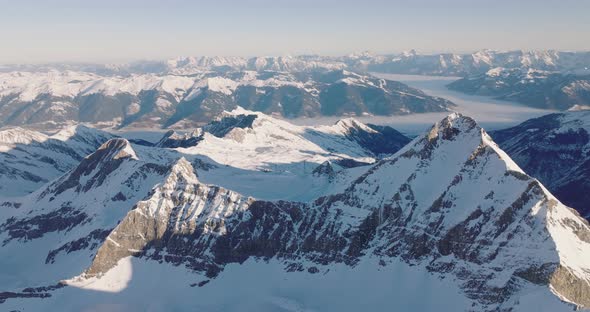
(69, 84)
(277, 144)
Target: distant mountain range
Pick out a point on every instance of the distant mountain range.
(190, 91)
(410, 62)
(531, 87)
(450, 64)
(54, 98)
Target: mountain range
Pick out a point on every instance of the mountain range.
(49, 100)
(252, 213)
(246, 139)
(188, 92)
(479, 62)
(408, 62)
(541, 89)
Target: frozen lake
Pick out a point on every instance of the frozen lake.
(489, 113)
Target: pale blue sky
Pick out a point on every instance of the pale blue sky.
(112, 31)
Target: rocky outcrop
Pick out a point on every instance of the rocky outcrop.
(172, 139)
(205, 227)
(326, 169)
(225, 124)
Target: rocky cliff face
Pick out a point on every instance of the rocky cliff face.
(56, 229)
(172, 139)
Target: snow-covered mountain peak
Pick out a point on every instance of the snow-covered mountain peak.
(70, 131)
(17, 135)
(253, 140)
(181, 173)
(472, 135)
(30, 159)
(453, 125)
(114, 149)
(243, 118)
(346, 124)
(114, 160)
(409, 53)
(455, 165)
(218, 84)
(236, 111)
(363, 54)
(495, 72)
(81, 133)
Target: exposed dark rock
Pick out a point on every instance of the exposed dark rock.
(38, 292)
(223, 126)
(92, 241)
(26, 229)
(325, 169)
(107, 158)
(174, 140)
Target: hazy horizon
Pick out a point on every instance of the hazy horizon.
(161, 59)
(68, 31)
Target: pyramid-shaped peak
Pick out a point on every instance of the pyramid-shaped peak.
(458, 120)
(114, 149)
(106, 160)
(351, 123)
(452, 125)
(457, 138)
(182, 172)
(324, 169)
